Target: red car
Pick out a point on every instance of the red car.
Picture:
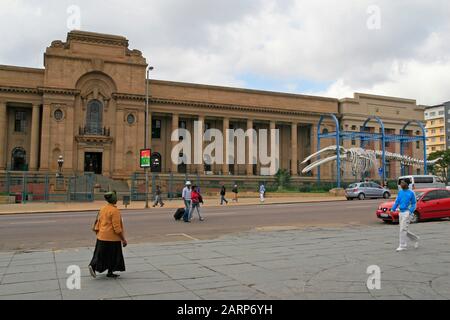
(431, 204)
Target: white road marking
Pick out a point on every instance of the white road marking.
(30, 222)
(182, 235)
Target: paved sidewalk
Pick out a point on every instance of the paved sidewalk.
(39, 207)
(283, 264)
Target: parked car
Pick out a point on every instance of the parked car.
(363, 190)
(422, 182)
(432, 203)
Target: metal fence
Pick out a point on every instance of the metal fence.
(172, 185)
(38, 187)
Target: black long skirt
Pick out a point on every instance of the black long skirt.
(108, 256)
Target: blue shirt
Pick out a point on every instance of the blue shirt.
(406, 200)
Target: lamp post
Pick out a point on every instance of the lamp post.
(147, 91)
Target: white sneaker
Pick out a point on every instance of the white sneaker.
(400, 249)
(92, 272)
(416, 245)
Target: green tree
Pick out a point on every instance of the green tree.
(283, 178)
(441, 167)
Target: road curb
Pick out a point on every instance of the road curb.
(140, 209)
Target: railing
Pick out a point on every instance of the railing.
(47, 187)
(94, 131)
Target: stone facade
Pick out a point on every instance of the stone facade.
(88, 104)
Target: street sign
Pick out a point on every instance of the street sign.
(145, 158)
(380, 171)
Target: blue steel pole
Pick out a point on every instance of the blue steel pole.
(338, 141)
(425, 160)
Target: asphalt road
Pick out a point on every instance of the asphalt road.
(72, 230)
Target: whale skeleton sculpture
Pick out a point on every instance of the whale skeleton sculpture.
(361, 160)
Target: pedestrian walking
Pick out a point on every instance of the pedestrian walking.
(110, 238)
(187, 198)
(262, 192)
(235, 191)
(223, 192)
(158, 197)
(197, 199)
(406, 202)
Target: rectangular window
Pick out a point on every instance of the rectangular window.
(20, 121)
(353, 142)
(182, 125)
(156, 129)
(417, 145)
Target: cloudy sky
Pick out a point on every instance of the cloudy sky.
(321, 47)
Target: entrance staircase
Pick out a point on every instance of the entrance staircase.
(104, 184)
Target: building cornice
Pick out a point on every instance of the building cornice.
(203, 105)
(99, 38)
(242, 90)
(127, 96)
(58, 91)
(21, 90)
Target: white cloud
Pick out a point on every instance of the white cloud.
(218, 42)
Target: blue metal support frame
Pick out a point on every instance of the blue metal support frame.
(383, 141)
(364, 136)
(406, 140)
(337, 136)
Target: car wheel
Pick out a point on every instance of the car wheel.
(362, 196)
(386, 195)
(415, 218)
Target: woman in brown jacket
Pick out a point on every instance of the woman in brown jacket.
(110, 238)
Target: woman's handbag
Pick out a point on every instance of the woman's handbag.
(95, 227)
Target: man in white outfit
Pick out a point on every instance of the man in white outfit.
(406, 201)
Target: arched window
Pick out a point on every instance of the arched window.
(19, 160)
(94, 117)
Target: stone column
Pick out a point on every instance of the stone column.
(69, 122)
(3, 134)
(200, 167)
(250, 149)
(226, 126)
(45, 139)
(273, 126)
(119, 141)
(294, 149)
(34, 150)
(175, 126)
